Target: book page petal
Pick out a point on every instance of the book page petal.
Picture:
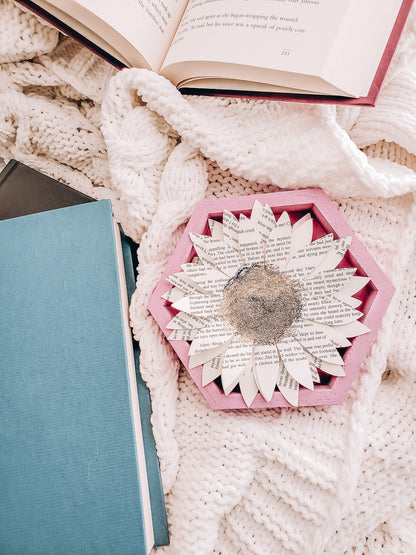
(329, 310)
(302, 232)
(211, 370)
(184, 282)
(302, 220)
(184, 321)
(265, 223)
(284, 225)
(307, 258)
(355, 284)
(251, 246)
(327, 282)
(210, 336)
(352, 301)
(210, 280)
(216, 229)
(295, 361)
(328, 368)
(248, 387)
(237, 360)
(277, 248)
(205, 356)
(331, 332)
(173, 294)
(314, 373)
(287, 386)
(353, 329)
(230, 229)
(255, 212)
(266, 369)
(231, 377)
(203, 305)
(227, 259)
(239, 353)
(182, 335)
(335, 254)
(314, 340)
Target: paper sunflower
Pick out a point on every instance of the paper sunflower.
(264, 306)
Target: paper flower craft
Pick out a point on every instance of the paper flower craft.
(263, 306)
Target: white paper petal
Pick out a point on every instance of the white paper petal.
(327, 282)
(352, 301)
(251, 247)
(277, 247)
(353, 329)
(202, 305)
(215, 229)
(288, 387)
(315, 341)
(265, 223)
(307, 258)
(173, 294)
(205, 356)
(209, 279)
(255, 212)
(335, 254)
(355, 284)
(266, 369)
(227, 259)
(329, 310)
(331, 369)
(248, 387)
(184, 321)
(211, 370)
(212, 335)
(230, 229)
(184, 282)
(301, 235)
(182, 335)
(295, 361)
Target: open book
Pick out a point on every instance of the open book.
(290, 49)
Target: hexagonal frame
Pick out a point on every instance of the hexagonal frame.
(375, 296)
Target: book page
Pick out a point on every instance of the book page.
(360, 43)
(280, 35)
(140, 31)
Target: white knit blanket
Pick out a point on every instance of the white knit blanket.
(306, 481)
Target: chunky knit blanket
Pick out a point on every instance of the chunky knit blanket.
(307, 481)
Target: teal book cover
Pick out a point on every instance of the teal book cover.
(71, 476)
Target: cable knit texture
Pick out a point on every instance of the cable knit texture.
(268, 482)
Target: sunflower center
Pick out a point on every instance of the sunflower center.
(261, 304)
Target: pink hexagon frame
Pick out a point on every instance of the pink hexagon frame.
(375, 296)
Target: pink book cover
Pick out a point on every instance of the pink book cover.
(368, 100)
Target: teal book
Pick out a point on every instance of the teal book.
(75, 474)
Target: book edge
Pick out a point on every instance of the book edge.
(134, 397)
(157, 501)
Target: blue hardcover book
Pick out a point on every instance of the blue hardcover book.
(73, 475)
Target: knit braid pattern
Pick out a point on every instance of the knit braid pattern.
(323, 480)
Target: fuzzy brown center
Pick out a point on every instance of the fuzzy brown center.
(261, 304)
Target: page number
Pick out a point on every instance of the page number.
(285, 52)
